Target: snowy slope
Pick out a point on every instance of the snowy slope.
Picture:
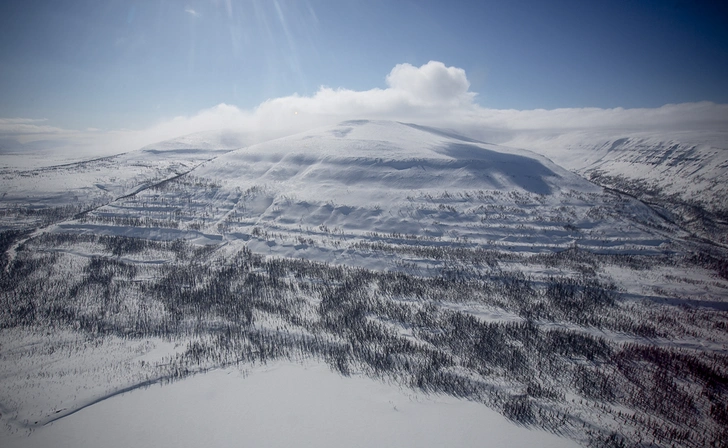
(688, 170)
(366, 181)
(686, 174)
(221, 140)
(37, 189)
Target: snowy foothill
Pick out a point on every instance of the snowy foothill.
(38, 188)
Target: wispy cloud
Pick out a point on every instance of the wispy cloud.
(192, 12)
(26, 128)
(432, 94)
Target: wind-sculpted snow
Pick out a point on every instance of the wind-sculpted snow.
(410, 255)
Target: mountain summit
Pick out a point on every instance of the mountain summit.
(365, 180)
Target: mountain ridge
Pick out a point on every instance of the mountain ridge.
(360, 181)
(404, 253)
(684, 175)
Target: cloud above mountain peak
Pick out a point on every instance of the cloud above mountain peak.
(432, 94)
(432, 83)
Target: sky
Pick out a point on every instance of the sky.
(84, 69)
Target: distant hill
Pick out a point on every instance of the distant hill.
(685, 177)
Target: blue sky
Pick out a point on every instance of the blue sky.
(129, 64)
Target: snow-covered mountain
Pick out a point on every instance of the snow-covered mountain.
(684, 175)
(410, 255)
(368, 181)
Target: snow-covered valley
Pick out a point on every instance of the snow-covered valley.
(421, 263)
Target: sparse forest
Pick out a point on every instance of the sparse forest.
(562, 351)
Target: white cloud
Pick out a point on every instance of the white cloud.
(432, 94)
(414, 93)
(431, 84)
(27, 129)
(192, 12)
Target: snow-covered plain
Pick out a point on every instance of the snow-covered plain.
(282, 405)
(449, 278)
